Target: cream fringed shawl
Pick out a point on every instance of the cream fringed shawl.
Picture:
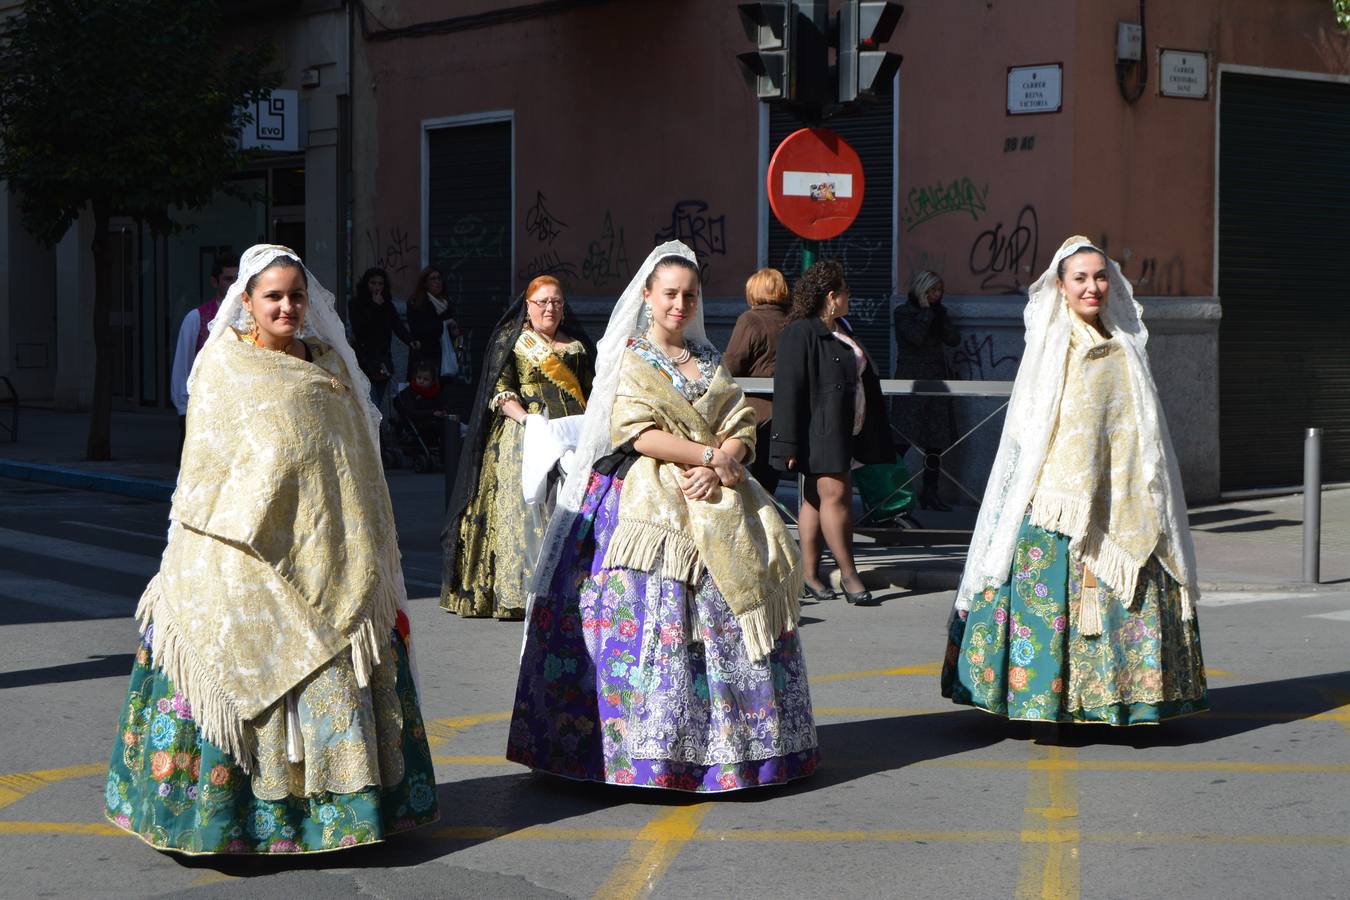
(738, 535)
(1093, 487)
(282, 551)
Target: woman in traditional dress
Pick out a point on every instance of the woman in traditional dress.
(661, 648)
(538, 364)
(272, 707)
(1078, 599)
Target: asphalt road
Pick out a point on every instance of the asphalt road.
(915, 797)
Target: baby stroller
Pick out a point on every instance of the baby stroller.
(416, 433)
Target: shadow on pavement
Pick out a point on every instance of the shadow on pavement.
(103, 666)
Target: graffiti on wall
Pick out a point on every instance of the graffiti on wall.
(1152, 276)
(1005, 258)
(542, 224)
(960, 195)
(974, 359)
(696, 227)
(606, 256)
(393, 251)
(470, 238)
(548, 262)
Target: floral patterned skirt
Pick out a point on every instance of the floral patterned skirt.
(1018, 652)
(177, 791)
(628, 678)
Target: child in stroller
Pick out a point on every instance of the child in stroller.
(419, 418)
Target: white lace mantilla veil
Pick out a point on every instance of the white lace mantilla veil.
(1033, 413)
(323, 323)
(626, 321)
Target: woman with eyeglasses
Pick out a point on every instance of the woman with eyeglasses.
(539, 365)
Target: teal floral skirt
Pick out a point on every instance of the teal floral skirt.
(1018, 652)
(177, 791)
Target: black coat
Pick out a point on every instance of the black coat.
(814, 383)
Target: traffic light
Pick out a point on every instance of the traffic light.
(865, 70)
(768, 69)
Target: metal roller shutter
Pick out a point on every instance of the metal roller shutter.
(469, 223)
(1284, 344)
(866, 248)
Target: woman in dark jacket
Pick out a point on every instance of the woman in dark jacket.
(922, 330)
(750, 354)
(828, 412)
(374, 323)
(430, 314)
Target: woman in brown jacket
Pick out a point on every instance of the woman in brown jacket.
(750, 354)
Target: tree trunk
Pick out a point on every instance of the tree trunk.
(99, 444)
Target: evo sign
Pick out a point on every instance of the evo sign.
(1183, 73)
(1035, 89)
(275, 125)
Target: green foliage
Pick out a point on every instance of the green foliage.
(1342, 10)
(132, 106)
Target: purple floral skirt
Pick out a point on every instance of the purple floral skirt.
(628, 678)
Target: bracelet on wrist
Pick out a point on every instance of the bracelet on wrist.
(708, 453)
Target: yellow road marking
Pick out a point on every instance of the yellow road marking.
(441, 730)
(535, 833)
(1341, 713)
(472, 760)
(1140, 765)
(212, 877)
(652, 852)
(17, 785)
(1216, 673)
(1049, 858)
(103, 829)
(925, 669)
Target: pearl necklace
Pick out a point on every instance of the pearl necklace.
(679, 360)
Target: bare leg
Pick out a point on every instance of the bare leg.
(835, 494)
(808, 532)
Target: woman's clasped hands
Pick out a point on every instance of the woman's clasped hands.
(703, 482)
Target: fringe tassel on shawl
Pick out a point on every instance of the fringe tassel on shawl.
(215, 712)
(644, 546)
(647, 547)
(776, 615)
(1090, 607)
(1072, 516)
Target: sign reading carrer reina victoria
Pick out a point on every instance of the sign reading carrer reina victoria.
(1035, 89)
(1183, 73)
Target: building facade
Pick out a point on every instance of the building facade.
(501, 139)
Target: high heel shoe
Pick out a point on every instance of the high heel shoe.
(817, 594)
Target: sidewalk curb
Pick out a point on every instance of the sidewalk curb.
(141, 488)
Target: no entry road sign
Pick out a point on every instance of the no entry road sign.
(815, 184)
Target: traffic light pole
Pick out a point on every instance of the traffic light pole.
(810, 249)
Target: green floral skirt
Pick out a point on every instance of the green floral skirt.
(1018, 652)
(177, 791)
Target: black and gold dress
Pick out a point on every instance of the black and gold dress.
(489, 540)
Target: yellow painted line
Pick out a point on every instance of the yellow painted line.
(651, 853)
(103, 829)
(535, 833)
(1211, 672)
(471, 760)
(925, 669)
(825, 836)
(441, 730)
(1341, 713)
(212, 877)
(17, 785)
(1048, 865)
(1130, 765)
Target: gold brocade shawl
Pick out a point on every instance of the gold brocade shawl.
(738, 535)
(540, 351)
(282, 551)
(1093, 487)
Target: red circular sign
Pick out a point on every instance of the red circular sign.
(815, 184)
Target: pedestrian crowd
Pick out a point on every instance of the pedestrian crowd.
(615, 496)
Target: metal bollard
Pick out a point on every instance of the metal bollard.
(1312, 505)
(450, 447)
